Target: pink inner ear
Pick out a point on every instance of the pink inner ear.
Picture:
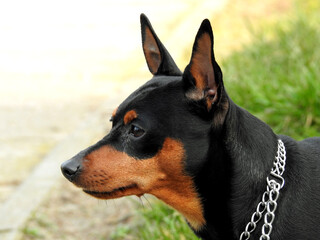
(201, 64)
(152, 52)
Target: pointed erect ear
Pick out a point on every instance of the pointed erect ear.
(158, 58)
(203, 77)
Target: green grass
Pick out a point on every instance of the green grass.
(35, 231)
(32, 233)
(156, 222)
(277, 78)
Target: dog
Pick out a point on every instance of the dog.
(181, 138)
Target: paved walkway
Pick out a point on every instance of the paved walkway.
(60, 85)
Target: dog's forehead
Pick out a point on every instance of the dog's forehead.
(156, 89)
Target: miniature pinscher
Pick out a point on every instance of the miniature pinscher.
(181, 138)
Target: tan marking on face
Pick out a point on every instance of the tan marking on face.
(107, 170)
(201, 65)
(178, 190)
(129, 116)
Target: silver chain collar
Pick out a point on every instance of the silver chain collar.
(269, 198)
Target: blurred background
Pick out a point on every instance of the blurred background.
(65, 65)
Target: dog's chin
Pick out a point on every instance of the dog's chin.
(128, 190)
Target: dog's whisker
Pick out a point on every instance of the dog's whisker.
(142, 203)
(150, 205)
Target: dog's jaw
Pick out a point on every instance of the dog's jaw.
(108, 174)
(115, 193)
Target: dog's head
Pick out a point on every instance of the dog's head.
(161, 133)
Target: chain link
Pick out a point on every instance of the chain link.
(269, 198)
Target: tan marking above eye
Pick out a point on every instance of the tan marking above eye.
(130, 116)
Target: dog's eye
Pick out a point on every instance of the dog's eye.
(136, 131)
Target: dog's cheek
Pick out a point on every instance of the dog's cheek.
(177, 188)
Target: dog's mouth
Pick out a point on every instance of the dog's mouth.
(115, 193)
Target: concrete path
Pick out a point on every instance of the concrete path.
(99, 63)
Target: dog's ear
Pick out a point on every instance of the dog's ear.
(203, 76)
(158, 58)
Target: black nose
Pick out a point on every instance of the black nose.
(71, 168)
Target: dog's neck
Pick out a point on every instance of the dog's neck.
(242, 159)
(251, 146)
